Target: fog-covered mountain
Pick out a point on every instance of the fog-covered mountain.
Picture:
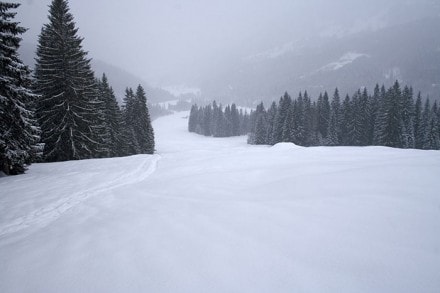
(119, 78)
(408, 52)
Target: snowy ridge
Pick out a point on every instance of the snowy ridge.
(42, 216)
(346, 59)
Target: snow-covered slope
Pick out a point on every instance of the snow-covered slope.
(217, 215)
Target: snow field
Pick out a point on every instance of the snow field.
(218, 215)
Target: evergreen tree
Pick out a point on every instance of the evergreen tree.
(324, 116)
(407, 119)
(298, 132)
(235, 120)
(334, 125)
(374, 105)
(112, 117)
(390, 118)
(281, 116)
(346, 120)
(132, 145)
(68, 107)
(207, 116)
(260, 125)
(307, 118)
(271, 116)
(418, 133)
(142, 122)
(192, 120)
(380, 117)
(18, 131)
(432, 137)
(228, 121)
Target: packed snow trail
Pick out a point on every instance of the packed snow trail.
(38, 207)
(218, 215)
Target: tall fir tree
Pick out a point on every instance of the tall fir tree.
(18, 130)
(192, 120)
(206, 120)
(260, 125)
(271, 115)
(235, 120)
(334, 125)
(373, 105)
(346, 120)
(418, 133)
(323, 113)
(142, 123)
(407, 119)
(132, 145)
(68, 108)
(112, 116)
(390, 132)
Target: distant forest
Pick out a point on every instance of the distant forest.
(213, 120)
(389, 117)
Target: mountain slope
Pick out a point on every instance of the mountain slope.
(408, 52)
(218, 215)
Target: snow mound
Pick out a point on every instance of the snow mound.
(286, 146)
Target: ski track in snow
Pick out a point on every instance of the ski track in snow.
(45, 215)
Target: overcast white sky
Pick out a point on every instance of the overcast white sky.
(172, 41)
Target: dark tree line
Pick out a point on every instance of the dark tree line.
(64, 112)
(19, 133)
(213, 120)
(389, 117)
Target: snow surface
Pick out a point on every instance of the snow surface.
(218, 215)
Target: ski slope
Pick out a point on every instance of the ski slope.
(217, 215)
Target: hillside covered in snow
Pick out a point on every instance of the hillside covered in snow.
(218, 215)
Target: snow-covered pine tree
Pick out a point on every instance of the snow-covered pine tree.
(407, 119)
(390, 118)
(289, 123)
(380, 116)
(308, 124)
(228, 121)
(142, 122)
(68, 108)
(219, 116)
(18, 131)
(112, 115)
(235, 120)
(362, 115)
(206, 120)
(418, 133)
(373, 105)
(283, 108)
(432, 131)
(260, 125)
(334, 125)
(131, 145)
(323, 112)
(271, 115)
(297, 132)
(346, 118)
(192, 120)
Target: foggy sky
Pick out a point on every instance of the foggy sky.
(175, 41)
